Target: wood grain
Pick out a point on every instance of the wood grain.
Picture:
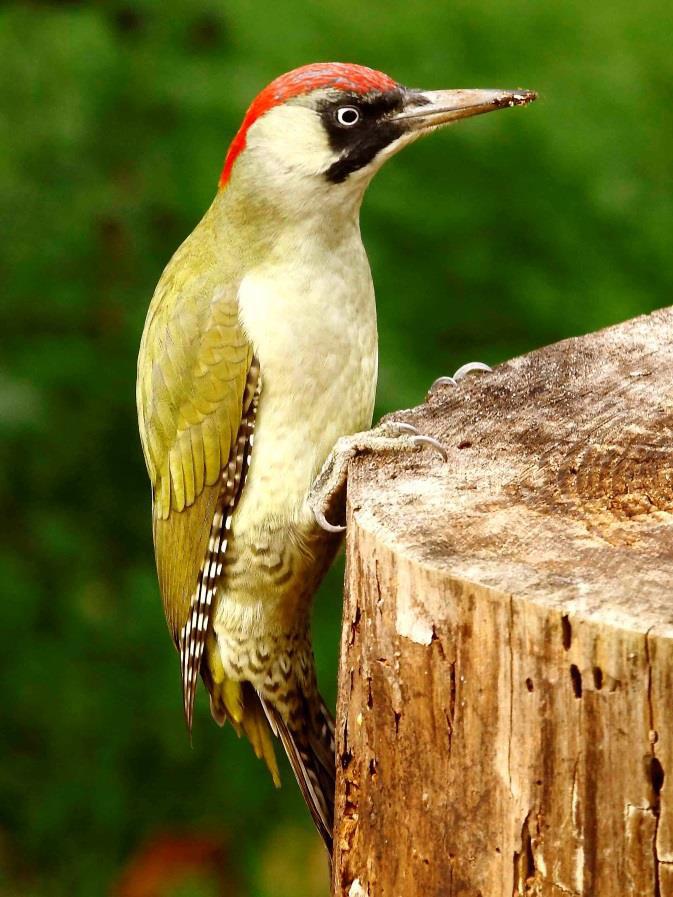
(505, 715)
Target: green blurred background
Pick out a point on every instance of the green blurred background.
(487, 240)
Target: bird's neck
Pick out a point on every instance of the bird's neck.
(261, 214)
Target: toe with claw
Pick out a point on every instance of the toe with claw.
(324, 523)
(420, 439)
(327, 497)
(462, 371)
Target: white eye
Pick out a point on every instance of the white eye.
(348, 116)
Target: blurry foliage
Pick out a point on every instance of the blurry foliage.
(500, 235)
(183, 865)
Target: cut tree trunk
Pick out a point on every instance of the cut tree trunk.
(505, 713)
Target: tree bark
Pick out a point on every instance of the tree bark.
(505, 713)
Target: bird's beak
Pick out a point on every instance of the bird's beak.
(425, 110)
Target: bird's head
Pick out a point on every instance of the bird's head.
(323, 130)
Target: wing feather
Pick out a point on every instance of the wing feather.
(199, 461)
(187, 462)
(193, 395)
(232, 479)
(211, 448)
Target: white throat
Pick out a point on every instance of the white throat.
(309, 312)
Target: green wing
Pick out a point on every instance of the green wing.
(193, 368)
(193, 364)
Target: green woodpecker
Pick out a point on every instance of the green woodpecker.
(262, 330)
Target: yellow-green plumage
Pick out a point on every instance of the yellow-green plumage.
(192, 368)
(267, 301)
(194, 362)
(191, 377)
(193, 365)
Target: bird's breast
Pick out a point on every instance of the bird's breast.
(310, 314)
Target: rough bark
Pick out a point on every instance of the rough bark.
(505, 715)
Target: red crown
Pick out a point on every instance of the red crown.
(318, 75)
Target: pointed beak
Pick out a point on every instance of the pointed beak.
(429, 109)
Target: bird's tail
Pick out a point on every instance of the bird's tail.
(308, 740)
(305, 729)
(240, 704)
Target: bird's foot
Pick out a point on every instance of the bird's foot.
(462, 371)
(327, 496)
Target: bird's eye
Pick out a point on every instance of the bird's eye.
(348, 116)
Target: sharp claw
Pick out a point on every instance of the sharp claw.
(405, 428)
(323, 522)
(433, 443)
(468, 368)
(443, 381)
(417, 438)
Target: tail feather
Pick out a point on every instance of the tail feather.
(308, 742)
(239, 703)
(256, 728)
(327, 727)
(312, 760)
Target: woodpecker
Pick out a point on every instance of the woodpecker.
(259, 352)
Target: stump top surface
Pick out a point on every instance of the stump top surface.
(559, 483)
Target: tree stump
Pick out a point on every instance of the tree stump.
(505, 713)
